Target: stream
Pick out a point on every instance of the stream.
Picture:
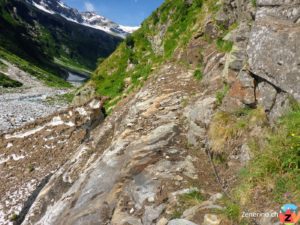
(76, 79)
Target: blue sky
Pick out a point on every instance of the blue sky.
(125, 12)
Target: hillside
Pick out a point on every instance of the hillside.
(192, 120)
(50, 41)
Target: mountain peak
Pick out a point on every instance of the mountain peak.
(87, 18)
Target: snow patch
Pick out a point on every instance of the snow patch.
(9, 145)
(95, 104)
(129, 29)
(56, 121)
(43, 8)
(24, 134)
(81, 111)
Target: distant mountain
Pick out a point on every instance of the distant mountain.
(90, 19)
(41, 32)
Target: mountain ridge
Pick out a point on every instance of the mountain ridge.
(86, 18)
(50, 41)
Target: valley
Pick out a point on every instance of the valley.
(193, 119)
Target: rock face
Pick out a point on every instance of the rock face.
(273, 52)
(135, 166)
(139, 159)
(268, 74)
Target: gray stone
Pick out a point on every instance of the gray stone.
(281, 106)
(181, 222)
(266, 95)
(245, 79)
(273, 52)
(152, 214)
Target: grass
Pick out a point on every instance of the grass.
(31, 168)
(6, 82)
(227, 127)
(276, 162)
(47, 77)
(3, 66)
(176, 214)
(138, 50)
(14, 217)
(193, 197)
(64, 98)
(198, 74)
(232, 210)
(224, 46)
(72, 65)
(220, 95)
(253, 2)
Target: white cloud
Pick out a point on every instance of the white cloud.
(89, 6)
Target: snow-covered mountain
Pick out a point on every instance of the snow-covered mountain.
(91, 19)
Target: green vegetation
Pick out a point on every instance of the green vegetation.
(198, 74)
(193, 197)
(49, 78)
(31, 168)
(276, 162)
(253, 2)
(220, 95)
(6, 82)
(136, 58)
(227, 126)
(50, 44)
(224, 46)
(2, 66)
(72, 65)
(232, 211)
(65, 98)
(176, 214)
(14, 217)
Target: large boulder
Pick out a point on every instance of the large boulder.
(273, 49)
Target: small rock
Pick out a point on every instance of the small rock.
(131, 211)
(162, 221)
(215, 197)
(180, 222)
(210, 219)
(151, 199)
(178, 178)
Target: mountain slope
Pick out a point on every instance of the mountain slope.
(195, 137)
(50, 41)
(152, 45)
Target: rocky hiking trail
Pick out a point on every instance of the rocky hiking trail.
(129, 169)
(134, 167)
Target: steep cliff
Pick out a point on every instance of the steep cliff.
(193, 135)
